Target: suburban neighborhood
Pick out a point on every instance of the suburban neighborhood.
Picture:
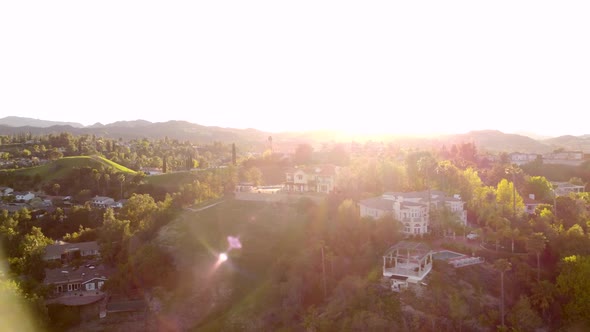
(104, 238)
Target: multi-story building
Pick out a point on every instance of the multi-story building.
(412, 208)
(317, 178)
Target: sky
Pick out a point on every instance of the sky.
(399, 67)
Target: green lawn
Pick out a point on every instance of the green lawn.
(171, 180)
(61, 167)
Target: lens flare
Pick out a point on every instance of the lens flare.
(222, 257)
(234, 242)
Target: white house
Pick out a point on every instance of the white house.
(412, 208)
(565, 188)
(5, 191)
(23, 196)
(102, 202)
(573, 158)
(319, 178)
(522, 158)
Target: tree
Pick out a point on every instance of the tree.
(113, 236)
(18, 308)
(253, 175)
(97, 176)
(573, 284)
(303, 154)
(503, 266)
(540, 187)
(536, 243)
(138, 210)
(121, 179)
(55, 188)
(30, 260)
(522, 317)
(508, 199)
(459, 309)
(543, 295)
(512, 234)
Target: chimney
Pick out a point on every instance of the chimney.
(532, 196)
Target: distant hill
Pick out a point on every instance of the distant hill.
(576, 143)
(17, 121)
(61, 167)
(486, 140)
(130, 124)
(497, 141)
(180, 130)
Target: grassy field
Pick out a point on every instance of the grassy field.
(268, 233)
(61, 167)
(171, 180)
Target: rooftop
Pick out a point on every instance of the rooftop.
(59, 248)
(419, 248)
(378, 203)
(81, 274)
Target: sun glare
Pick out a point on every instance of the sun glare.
(222, 257)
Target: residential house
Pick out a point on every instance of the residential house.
(77, 279)
(406, 262)
(530, 204)
(245, 187)
(317, 178)
(6, 191)
(79, 287)
(376, 207)
(67, 251)
(412, 208)
(574, 158)
(23, 196)
(565, 188)
(522, 158)
(102, 202)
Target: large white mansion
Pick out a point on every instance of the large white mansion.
(412, 208)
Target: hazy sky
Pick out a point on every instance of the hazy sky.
(365, 66)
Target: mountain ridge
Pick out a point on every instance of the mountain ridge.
(19, 121)
(487, 140)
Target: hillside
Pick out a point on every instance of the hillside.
(576, 143)
(497, 141)
(61, 167)
(17, 121)
(180, 130)
(486, 140)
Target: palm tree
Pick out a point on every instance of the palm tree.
(513, 234)
(513, 170)
(107, 180)
(543, 295)
(502, 265)
(536, 244)
(121, 179)
(96, 174)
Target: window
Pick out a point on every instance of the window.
(416, 230)
(90, 286)
(299, 177)
(100, 283)
(70, 287)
